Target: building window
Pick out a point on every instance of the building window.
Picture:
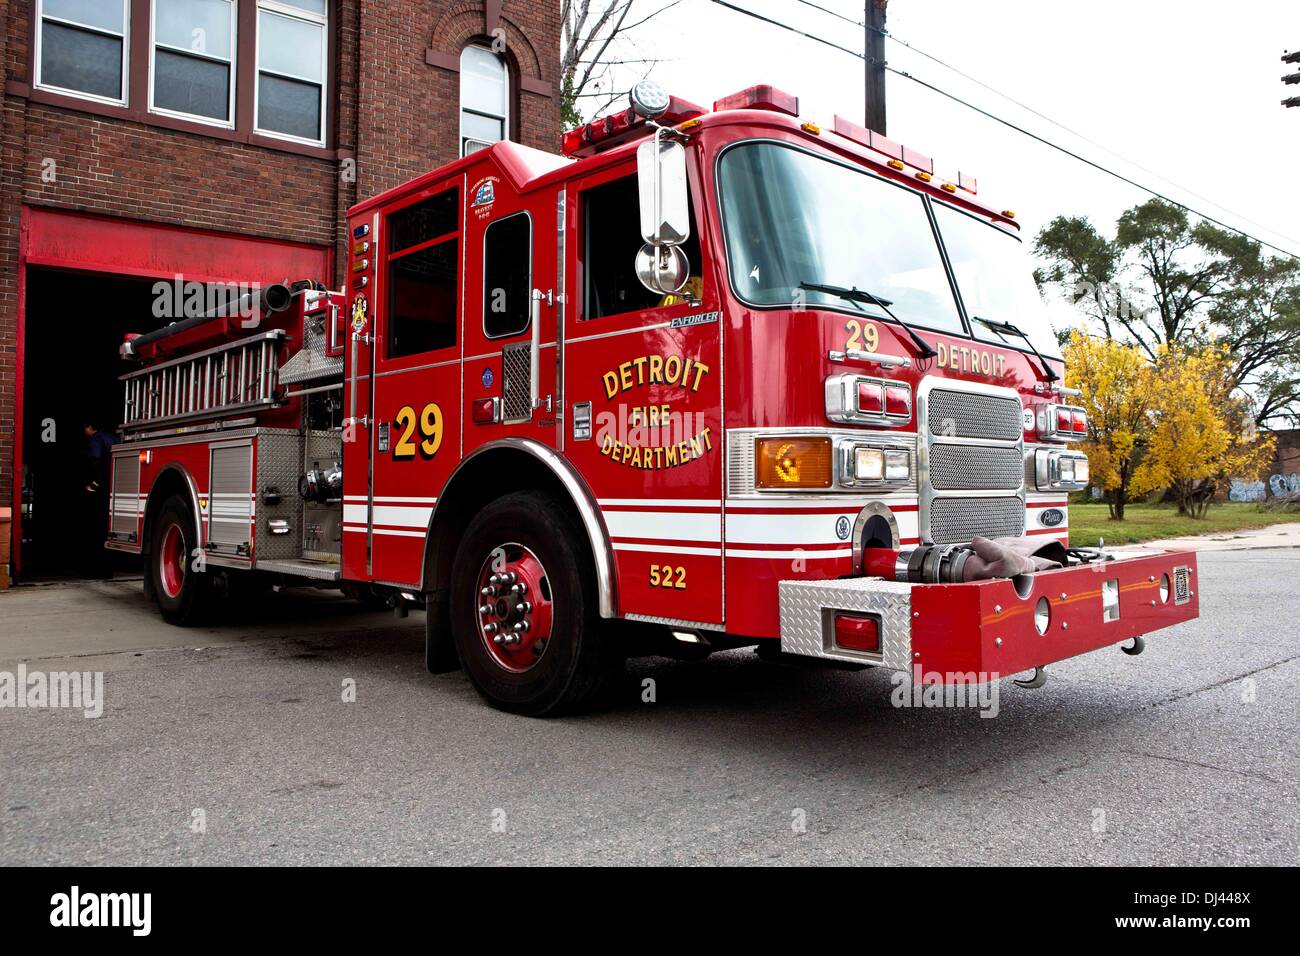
(291, 60)
(194, 59)
(484, 99)
(82, 48)
(423, 288)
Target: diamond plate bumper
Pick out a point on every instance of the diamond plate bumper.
(988, 627)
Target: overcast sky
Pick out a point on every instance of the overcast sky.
(1190, 89)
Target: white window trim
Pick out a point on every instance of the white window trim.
(80, 94)
(461, 110)
(293, 13)
(229, 122)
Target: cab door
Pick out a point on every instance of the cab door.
(510, 283)
(643, 403)
(415, 436)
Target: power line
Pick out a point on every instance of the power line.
(1013, 126)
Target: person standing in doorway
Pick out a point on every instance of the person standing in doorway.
(99, 458)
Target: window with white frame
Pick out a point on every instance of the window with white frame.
(484, 99)
(82, 47)
(193, 65)
(292, 46)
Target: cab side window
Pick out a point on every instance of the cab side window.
(611, 240)
(423, 264)
(507, 275)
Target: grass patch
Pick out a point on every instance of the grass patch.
(1143, 522)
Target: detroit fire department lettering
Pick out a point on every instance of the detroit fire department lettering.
(654, 436)
(655, 370)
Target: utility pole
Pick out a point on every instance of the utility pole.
(874, 18)
(1292, 78)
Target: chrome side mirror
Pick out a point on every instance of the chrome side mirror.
(661, 181)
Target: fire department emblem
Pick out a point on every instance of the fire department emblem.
(358, 313)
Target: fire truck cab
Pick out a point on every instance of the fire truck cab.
(706, 380)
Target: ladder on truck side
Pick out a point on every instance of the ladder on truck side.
(235, 377)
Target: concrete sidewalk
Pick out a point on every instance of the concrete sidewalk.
(1247, 539)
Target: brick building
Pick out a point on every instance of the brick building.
(221, 141)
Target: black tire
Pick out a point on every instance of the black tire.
(183, 595)
(579, 662)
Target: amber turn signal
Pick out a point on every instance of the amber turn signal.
(792, 463)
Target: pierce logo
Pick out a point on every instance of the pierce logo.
(1051, 517)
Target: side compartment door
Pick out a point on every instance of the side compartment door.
(643, 371)
(417, 401)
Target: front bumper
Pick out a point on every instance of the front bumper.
(987, 628)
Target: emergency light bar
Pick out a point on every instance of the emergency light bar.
(622, 127)
(762, 97)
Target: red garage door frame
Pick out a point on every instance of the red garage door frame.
(56, 239)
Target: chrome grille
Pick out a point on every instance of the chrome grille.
(953, 414)
(958, 520)
(976, 468)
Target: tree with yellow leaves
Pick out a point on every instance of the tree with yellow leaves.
(1119, 393)
(1178, 423)
(1203, 432)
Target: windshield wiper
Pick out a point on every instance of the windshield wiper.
(1006, 328)
(856, 295)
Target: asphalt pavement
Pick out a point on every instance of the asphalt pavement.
(238, 744)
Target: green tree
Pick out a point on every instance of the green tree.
(1166, 280)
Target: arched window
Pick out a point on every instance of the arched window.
(484, 99)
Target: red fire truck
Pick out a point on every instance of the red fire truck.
(706, 380)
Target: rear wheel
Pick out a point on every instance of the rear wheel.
(183, 594)
(523, 609)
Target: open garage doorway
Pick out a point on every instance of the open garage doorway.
(74, 325)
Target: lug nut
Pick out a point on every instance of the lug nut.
(520, 588)
(491, 627)
(488, 591)
(520, 626)
(523, 607)
(485, 608)
(498, 639)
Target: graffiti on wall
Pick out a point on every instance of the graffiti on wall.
(1282, 485)
(1277, 486)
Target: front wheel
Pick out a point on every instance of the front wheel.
(182, 592)
(523, 609)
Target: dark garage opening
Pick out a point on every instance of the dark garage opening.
(74, 325)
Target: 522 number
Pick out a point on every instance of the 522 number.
(429, 425)
(666, 576)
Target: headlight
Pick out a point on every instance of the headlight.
(1060, 470)
(874, 463)
(898, 466)
(869, 464)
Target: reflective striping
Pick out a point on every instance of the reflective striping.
(668, 526)
(661, 502)
(666, 549)
(796, 554)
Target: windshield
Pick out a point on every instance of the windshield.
(995, 280)
(792, 218)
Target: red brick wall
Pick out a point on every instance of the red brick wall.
(395, 115)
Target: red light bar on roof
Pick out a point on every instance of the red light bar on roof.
(762, 97)
(623, 126)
